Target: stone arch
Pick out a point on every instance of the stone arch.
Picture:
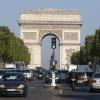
(48, 44)
(64, 24)
(56, 33)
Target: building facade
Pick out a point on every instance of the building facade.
(64, 24)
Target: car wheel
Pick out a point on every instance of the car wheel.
(24, 93)
(0, 94)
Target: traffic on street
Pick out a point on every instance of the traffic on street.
(14, 84)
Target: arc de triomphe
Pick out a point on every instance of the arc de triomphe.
(64, 24)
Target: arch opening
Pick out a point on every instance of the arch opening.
(46, 51)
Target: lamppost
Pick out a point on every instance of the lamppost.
(53, 62)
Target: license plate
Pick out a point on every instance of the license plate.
(11, 89)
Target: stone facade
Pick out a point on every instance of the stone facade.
(65, 25)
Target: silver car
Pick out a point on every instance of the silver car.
(95, 82)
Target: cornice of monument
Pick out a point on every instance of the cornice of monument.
(50, 22)
(51, 11)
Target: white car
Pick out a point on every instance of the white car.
(28, 74)
(9, 66)
(95, 82)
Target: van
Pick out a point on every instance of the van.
(72, 67)
(9, 66)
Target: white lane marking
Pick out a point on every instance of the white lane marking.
(61, 91)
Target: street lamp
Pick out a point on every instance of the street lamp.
(53, 62)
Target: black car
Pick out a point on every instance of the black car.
(63, 76)
(1, 73)
(39, 74)
(13, 83)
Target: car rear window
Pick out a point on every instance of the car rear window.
(80, 73)
(97, 75)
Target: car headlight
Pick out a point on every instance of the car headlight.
(1, 86)
(21, 86)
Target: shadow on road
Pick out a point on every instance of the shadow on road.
(79, 94)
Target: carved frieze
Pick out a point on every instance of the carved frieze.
(45, 32)
(70, 35)
(30, 35)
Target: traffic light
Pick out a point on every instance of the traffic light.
(53, 44)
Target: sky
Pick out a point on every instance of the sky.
(90, 15)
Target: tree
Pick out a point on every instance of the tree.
(97, 43)
(75, 58)
(82, 53)
(89, 46)
(12, 48)
(90, 52)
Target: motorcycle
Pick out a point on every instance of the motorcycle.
(73, 83)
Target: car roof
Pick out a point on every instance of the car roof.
(97, 73)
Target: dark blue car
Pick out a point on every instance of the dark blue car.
(13, 83)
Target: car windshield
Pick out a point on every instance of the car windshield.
(12, 77)
(97, 75)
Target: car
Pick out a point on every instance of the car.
(13, 83)
(1, 73)
(89, 75)
(9, 66)
(63, 75)
(95, 82)
(28, 74)
(47, 76)
(81, 77)
(40, 73)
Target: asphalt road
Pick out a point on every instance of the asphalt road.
(37, 91)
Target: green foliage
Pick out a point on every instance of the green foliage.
(90, 51)
(12, 48)
(79, 57)
(82, 53)
(89, 42)
(75, 58)
(97, 43)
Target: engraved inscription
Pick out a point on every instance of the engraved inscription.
(30, 35)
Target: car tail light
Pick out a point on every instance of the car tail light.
(93, 81)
